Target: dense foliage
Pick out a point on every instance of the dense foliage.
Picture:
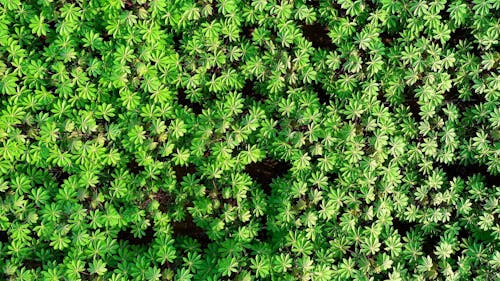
(249, 140)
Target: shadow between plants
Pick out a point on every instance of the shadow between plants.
(265, 171)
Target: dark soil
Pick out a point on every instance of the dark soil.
(464, 172)
(314, 3)
(126, 235)
(59, 175)
(265, 171)
(183, 100)
(412, 103)
(181, 171)
(402, 226)
(453, 96)
(332, 176)
(317, 34)
(387, 38)
(32, 264)
(428, 246)
(189, 228)
(250, 91)
(134, 167)
(464, 34)
(165, 199)
(4, 237)
(247, 31)
(324, 98)
(131, 6)
(263, 234)
(177, 41)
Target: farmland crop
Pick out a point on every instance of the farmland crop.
(249, 140)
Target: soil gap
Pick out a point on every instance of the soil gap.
(247, 31)
(164, 199)
(265, 171)
(59, 175)
(323, 97)
(428, 245)
(32, 264)
(317, 34)
(464, 172)
(188, 228)
(412, 103)
(134, 167)
(402, 226)
(181, 171)
(4, 237)
(126, 235)
(250, 90)
(183, 100)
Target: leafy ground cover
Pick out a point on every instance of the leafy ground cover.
(249, 140)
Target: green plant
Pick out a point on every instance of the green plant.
(249, 140)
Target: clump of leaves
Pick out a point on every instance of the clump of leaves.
(249, 140)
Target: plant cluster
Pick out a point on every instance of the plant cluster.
(249, 140)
